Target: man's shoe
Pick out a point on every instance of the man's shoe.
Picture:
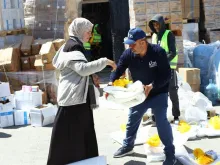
(169, 161)
(123, 151)
(176, 121)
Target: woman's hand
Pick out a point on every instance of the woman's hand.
(112, 64)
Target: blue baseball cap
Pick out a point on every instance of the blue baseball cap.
(134, 35)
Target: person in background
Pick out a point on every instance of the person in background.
(166, 40)
(73, 136)
(88, 53)
(147, 63)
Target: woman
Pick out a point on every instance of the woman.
(73, 136)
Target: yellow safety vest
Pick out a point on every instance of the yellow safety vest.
(87, 45)
(164, 45)
(96, 36)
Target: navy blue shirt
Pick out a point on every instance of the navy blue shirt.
(152, 68)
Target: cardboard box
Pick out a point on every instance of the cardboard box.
(41, 60)
(210, 25)
(175, 6)
(210, 18)
(209, 2)
(22, 117)
(47, 52)
(26, 45)
(151, 7)
(35, 48)
(162, 9)
(164, 3)
(176, 16)
(10, 60)
(44, 98)
(58, 43)
(217, 3)
(40, 65)
(5, 89)
(32, 61)
(42, 115)
(6, 115)
(176, 26)
(27, 100)
(209, 10)
(195, 87)
(191, 9)
(190, 75)
(25, 64)
(214, 36)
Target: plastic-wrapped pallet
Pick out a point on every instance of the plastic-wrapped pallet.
(12, 15)
(137, 13)
(45, 18)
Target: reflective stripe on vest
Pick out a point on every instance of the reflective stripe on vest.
(96, 37)
(164, 45)
(87, 45)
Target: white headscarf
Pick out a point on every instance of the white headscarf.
(78, 27)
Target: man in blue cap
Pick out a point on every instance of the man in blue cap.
(149, 64)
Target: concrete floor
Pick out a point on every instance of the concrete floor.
(29, 145)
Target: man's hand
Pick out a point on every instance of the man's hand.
(147, 89)
(110, 83)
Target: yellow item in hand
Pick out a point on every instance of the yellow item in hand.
(123, 127)
(154, 141)
(121, 82)
(183, 127)
(215, 122)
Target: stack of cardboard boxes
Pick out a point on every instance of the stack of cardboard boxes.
(25, 107)
(191, 9)
(212, 13)
(214, 35)
(33, 57)
(142, 11)
(137, 11)
(192, 77)
(12, 15)
(45, 18)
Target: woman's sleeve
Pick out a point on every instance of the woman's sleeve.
(86, 69)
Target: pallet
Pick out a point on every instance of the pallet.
(194, 20)
(12, 32)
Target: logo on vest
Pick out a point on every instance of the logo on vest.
(152, 64)
(130, 35)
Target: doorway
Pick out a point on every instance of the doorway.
(99, 14)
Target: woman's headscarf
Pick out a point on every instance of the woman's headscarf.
(78, 27)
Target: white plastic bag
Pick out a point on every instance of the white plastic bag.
(194, 114)
(154, 154)
(129, 97)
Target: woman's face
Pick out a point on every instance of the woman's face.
(87, 35)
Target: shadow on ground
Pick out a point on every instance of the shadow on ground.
(4, 135)
(133, 162)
